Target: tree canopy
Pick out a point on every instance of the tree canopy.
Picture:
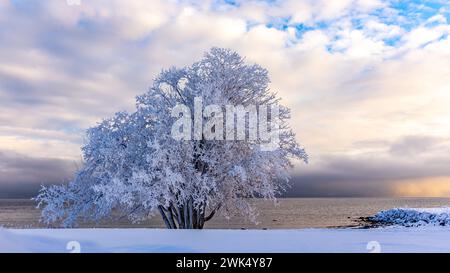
(134, 164)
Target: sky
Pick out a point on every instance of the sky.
(368, 82)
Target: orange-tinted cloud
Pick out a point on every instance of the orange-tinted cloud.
(430, 187)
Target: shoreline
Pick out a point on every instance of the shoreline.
(289, 213)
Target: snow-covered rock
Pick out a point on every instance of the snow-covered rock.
(412, 217)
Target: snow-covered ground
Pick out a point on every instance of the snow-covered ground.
(413, 217)
(389, 239)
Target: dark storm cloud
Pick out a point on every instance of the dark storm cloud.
(21, 175)
(370, 176)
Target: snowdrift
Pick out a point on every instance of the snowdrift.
(413, 217)
(388, 239)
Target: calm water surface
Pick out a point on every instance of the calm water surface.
(289, 213)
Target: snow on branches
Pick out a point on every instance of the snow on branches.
(134, 164)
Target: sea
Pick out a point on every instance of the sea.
(287, 213)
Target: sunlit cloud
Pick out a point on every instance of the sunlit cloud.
(432, 187)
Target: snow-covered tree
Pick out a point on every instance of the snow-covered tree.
(135, 165)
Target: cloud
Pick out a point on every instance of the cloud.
(432, 187)
(22, 175)
(405, 167)
(341, 177)
(413, 145)
(367, 80)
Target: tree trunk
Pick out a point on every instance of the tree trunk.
(180, 216)
(190, 212)
(166, 221)
(171, 220)
(201, 219)
(186, 217)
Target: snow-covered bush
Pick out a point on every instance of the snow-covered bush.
(413, 217)
(134, 165)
